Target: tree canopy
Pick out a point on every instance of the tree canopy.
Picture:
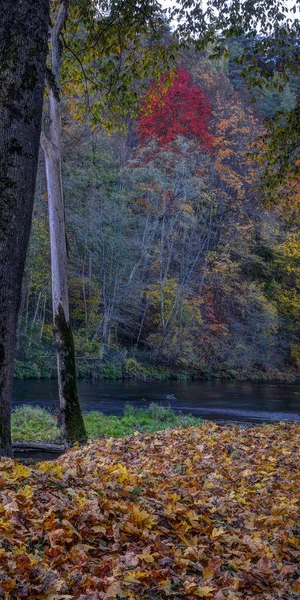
(181, 109)
(271, 31)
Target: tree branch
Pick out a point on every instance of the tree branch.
(55, 33)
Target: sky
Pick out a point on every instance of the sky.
(288, 3)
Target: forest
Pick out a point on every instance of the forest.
(149, 229)
(181, 263)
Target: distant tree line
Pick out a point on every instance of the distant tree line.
(175, 263)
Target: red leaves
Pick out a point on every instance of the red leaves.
(181, 110)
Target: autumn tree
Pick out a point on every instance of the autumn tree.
(23, 45)
(172, 259)
(270, 58)
(178, 109)
(171, 165)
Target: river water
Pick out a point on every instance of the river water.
(217, 401)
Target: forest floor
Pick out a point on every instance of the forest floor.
(143, 371)
(204, 512)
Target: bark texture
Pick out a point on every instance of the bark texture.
(23, 46)
(71, 419)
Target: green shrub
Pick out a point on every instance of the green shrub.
(112, 371)
(33, 423)
(36, 424)
(24, 370)
(132, 369)
(83, 370)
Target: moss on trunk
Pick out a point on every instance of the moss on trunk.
(70, 413)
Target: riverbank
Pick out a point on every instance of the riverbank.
(132, 370)
(206, 512)
(214, 400)
(33, 423)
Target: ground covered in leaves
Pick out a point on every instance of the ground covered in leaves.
(205, 512)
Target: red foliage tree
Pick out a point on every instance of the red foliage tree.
(182, 109)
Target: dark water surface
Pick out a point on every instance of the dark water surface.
(218, 401)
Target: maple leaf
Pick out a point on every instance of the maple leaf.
(204, 592)
(141, 517)
(19, 472)
(115, 591)
(88, 539)
(165, 585)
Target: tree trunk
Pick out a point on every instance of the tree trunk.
(71, 419)
(23, 46)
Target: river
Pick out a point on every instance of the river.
(214, 400)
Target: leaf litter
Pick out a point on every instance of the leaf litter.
(205, 512)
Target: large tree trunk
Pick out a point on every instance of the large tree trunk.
(23, 46)
(71, 419)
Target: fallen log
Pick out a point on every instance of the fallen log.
(38, 446)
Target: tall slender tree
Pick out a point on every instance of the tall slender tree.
(23, 47)
(110, 36)
(71, 419)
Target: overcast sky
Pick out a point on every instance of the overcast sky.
(288, 3)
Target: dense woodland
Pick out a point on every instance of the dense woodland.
(180, 258)
(180, 264)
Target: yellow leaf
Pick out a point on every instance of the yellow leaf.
(205, 591)
(217, 532)
(99, 529)
(165, 585)
(27, 491)
(19, 550)
(52, 468)
(141, 517)
(18, 472)
(121, 471)
(4, 527)
(131, 578)
(147, 556)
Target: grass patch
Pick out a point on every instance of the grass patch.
(145, 420)
(32, 423)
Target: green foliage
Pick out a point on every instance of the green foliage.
(126, 42)
(112, 370)
(160, 373)
(281, 146)
(177, 271)
(132, 369)
(32, 424)
(86, 347)
(24, 370)
(154, 418)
